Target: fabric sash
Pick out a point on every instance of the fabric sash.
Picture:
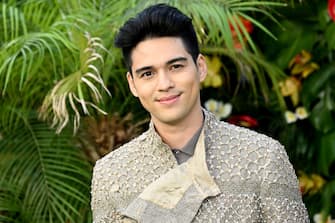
(177, 195)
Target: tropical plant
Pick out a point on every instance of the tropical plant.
(48, 45)
(309, 62)
(304, 51)
(44, 177)
(58, 66)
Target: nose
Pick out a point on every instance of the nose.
(164, 81)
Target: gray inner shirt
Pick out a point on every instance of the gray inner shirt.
(186, 152)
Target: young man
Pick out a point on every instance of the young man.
(188, 166)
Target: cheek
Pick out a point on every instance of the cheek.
(191, 80)
(144, 91)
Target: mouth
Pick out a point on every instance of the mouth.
(168, 99)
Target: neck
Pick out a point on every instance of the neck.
(177, 135)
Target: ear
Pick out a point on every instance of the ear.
(202, 67)
(131, 84)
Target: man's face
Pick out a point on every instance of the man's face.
(166, 80)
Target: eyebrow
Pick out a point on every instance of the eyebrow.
(140, 70)
(176, 60)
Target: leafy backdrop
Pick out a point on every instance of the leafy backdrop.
(64, 101)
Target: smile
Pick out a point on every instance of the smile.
(169, 99)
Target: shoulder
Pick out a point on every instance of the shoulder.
(239, 148)
(252, 140)
(119, 158)
(123, 173)
(110, 172)
(226, 133)
(254, 144)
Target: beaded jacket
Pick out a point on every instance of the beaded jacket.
(235, 175)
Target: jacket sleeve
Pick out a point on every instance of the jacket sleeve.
(280, 196)
(102, 199)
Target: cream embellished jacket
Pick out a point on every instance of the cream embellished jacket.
(235, 175)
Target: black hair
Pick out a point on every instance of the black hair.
(158, 20)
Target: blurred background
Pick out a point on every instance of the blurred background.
(64, 99)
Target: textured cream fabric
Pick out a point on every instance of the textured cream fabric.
(178, 194)
(252, 171)
(168, 190)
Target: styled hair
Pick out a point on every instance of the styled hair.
(158, 20)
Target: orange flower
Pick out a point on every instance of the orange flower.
(247, 25)
(310, 184)
(302, 58)
(291, 87)
(301, 66)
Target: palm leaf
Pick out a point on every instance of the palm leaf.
(213, 24)
(51, 177)
(76, 87)
(34, 53)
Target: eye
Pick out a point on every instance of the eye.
(146, 74)
(176, 66)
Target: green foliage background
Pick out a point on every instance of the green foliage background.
(58, 66)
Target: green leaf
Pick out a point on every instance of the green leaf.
(50, 176)
(315, 84)
(322, 118)
(322, 113)
(329, 35)
(327, 153)
(292, 40)
(323, 16)
(328, 195)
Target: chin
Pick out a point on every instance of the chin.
(171, 118)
